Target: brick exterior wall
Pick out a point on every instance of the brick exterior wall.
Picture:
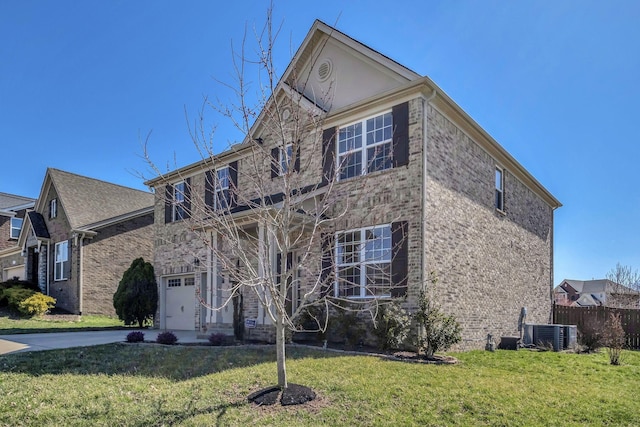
(66, 292)
(108, 255)
(489, 264)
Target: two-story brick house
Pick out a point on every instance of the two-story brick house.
(13, 209)
(81, 236)
(418, 186)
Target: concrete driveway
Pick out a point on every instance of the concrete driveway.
(38, 342)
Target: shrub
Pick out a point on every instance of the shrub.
(392, 324)
(590, 335)
(136, 299)
(36, 305)
(217, 339)
(167, 337)
(15, 296)
(438, 331)
(14, 284)
(613, 337)
(135, 336)
(345, 326)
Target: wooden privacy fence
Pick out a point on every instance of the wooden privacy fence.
(563, 315)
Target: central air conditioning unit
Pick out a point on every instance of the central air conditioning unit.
(560, 337)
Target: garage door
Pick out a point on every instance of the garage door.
(180, 301)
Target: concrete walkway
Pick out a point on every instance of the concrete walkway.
(37, 342)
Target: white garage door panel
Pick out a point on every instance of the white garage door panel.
(180, 307)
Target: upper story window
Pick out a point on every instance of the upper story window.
(178, 208)
(499, 189)
(363, 261)
(222, 193)
(62, 261)
(53, 208)
(365, 146)
(16, 226)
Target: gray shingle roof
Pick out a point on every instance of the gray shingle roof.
(88, 200)
(8, 201)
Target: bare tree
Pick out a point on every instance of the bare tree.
(269, 216)
(625, 275)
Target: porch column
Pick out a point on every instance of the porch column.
(261, 264)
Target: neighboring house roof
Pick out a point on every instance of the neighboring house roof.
(586, 300)
(10, 203)
(595, 286)
(87, 201)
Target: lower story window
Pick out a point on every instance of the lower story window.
(363, 260)
(62, 260)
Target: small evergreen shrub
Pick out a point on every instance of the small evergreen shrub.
(346, 326)
(16, 295)
(217, 339)
(36, 305)
(136, 299)
(392, 324)
(168, 338)
(135, 336)
(439, 331)
(14, 284)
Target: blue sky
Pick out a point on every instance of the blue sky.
(82, 83)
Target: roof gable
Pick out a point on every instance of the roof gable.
(330, 66)
(87, 200)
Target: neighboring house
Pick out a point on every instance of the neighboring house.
(12, 212)
(595, 293)
(81, 236)
(470, 212)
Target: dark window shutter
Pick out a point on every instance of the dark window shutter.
(275, 162)
(168, 202)
(400, 135)
(400, 258)
(209, 182)
(233, 184)
(67, 266)
(328, 154)
(296, 165)
(187, 198)
(326, 276)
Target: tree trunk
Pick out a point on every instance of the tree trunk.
(280, 351)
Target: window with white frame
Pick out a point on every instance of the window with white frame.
(16, 226)
(222, 193)
(499, 189)
(53, 208)
(363, 260)
(365, 146)
(62, 260)
(286, 155)
(178, 211)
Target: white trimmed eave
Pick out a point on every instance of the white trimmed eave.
(89, 229)
(10, 251)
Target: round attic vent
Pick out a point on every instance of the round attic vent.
(324, 69)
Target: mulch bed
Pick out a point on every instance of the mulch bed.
(294, 394)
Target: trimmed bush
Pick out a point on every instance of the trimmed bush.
(168, 338)
(135, 336)
(136, 299)
(15, 296)
(14, 284)
(439, 331)
(36, 305)
(392, 324)
(217, 339)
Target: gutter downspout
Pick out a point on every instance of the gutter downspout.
(425, 140)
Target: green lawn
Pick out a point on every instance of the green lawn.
(149, 385)
(10, 324)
